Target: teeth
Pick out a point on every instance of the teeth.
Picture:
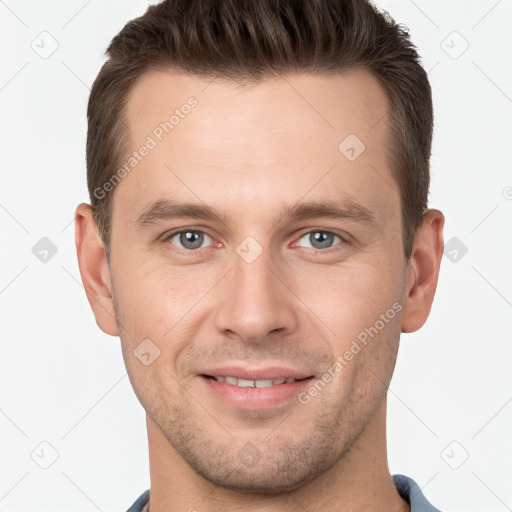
(262, 383)
(243, 383)
(246, 383)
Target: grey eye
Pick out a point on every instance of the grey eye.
(190, 239)
(320, 239)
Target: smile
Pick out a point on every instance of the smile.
(246, 383)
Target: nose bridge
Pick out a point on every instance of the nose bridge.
(254, 300)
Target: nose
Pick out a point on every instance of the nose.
(255, 300)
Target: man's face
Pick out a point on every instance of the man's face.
(257, 294)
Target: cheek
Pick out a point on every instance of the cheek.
(361, 306)
(151, 298)
(353, 295)
(156, 306)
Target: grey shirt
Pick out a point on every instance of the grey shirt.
(406, 487)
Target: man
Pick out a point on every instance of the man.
(258, 238)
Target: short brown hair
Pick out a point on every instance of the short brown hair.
(252, 40)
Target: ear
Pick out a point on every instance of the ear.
(94, 270)
(423, 271)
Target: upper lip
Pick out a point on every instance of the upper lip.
(268, 373)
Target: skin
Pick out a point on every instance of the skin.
(248, 151)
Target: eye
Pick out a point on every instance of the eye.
(190, 239)
(321, 240)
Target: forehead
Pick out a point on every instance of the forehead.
(279, 136)
(300, 105)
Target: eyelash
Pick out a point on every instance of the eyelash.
(328, 250)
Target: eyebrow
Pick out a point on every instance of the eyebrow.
(167, 209)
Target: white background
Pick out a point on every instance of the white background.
(63, 382)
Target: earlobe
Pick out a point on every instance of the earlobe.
(423, 271)
(94, 269)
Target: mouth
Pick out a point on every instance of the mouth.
(248, 383)
(255, 389)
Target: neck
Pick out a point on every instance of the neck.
(360, 480)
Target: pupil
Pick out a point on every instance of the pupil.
(321, 237)
(192, 238)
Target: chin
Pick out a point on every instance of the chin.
(251, 482)
(274, 470)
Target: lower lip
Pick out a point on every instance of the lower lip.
(256, 398)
